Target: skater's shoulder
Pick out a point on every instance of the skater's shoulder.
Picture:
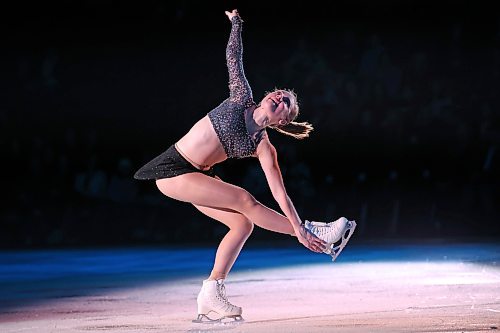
(266, 150)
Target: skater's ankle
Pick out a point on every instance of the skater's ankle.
(215, 275)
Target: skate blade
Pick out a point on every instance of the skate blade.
(230, 320)
(334, 251)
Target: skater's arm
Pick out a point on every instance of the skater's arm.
(239, 89)
(268, 159)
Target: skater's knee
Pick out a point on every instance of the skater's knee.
(242, 226)
(245, 201)
(246, 228)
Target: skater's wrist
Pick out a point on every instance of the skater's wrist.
(297, 226)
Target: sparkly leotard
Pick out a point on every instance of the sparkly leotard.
(228, 119)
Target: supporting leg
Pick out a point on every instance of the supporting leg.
(229, 248)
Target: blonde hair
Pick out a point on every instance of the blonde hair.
(292, 128)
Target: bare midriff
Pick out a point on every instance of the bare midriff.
(201, 146)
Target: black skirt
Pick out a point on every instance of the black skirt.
(168, 164)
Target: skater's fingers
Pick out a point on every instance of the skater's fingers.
(318, 240)
(322, 247)
(312, 242)
(310, 246)
(320, 243)
(315, 239)
(315, 247)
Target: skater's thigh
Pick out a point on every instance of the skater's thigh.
(202, 190)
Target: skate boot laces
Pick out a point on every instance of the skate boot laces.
(221, 293)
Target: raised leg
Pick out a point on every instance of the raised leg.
(205, 191)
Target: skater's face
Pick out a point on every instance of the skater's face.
(277, 106)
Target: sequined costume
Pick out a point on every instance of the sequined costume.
(228, 119)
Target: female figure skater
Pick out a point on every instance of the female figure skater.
(236, 129)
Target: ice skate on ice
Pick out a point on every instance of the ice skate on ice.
(333, 233)
(212, 298)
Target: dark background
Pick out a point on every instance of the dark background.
(403, 96)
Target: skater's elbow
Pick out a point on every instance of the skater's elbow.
(279, 195)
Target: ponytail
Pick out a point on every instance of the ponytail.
(293, 128)
(297, 130)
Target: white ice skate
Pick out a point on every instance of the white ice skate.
(333, 233)
(212, 298)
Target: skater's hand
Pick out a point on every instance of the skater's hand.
(232, 14)
(309, 240)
